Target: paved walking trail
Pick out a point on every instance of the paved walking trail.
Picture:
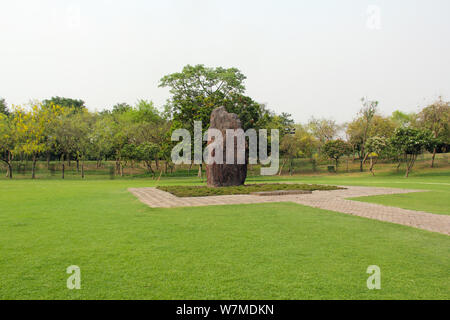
(334, 200)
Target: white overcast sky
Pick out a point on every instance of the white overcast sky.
(308, 58)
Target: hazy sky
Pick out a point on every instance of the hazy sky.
(308, 58)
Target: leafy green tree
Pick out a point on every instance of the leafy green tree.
(74, 104)
(290, 149)
(436, 118)
(367, 113)
(198, 90)
(4, 107)
(300, 144)
(71, 136)
(402, 119)
(411, 142)
(335, 149)
(148, 152)
(121, 108)
(101, 138)
(376, 147)
(82, 126)
(380, 127)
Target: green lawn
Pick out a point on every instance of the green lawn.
(127, 250)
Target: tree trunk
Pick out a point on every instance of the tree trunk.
(371, 166)
(10, 169)
(48, 160)
(410, 164)
(336, 166)
(78, 165)
(160, 174)
(361, 160)
(199, 172)
(432, 158)
(149, 166)
(62, 166)
(33, 167)
(117, 166)
(82, 170)
(282, 165)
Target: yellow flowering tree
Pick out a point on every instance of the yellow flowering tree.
(7, 142)
(33, 128)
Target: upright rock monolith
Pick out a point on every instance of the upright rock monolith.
(224, 175)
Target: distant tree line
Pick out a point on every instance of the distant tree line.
(64, 129)
(371, 136)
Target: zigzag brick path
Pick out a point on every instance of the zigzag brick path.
(335, 200)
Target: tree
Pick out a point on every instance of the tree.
(101, 138)
(376, 147)
(68, 103)
(380, 127)
(367, 113)
(4, 107)
(335, 149)
(300, 144)
(69, 134)
(198, 90)
(436, 118)
(402, 119)
(81, 128)
(323, 129)
(411, 142)
(7, 142)
(290, 148)
(121, 108)
(147, 152)
(31, 130)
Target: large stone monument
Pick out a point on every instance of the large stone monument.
(223, 175)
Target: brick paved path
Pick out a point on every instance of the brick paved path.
(329, 200)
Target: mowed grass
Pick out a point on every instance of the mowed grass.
(127, 250)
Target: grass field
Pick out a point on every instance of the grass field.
(127, 250)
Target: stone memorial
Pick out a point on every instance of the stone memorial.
(224, 175)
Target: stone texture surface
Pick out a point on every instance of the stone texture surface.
(335, 200)
(223, 175)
